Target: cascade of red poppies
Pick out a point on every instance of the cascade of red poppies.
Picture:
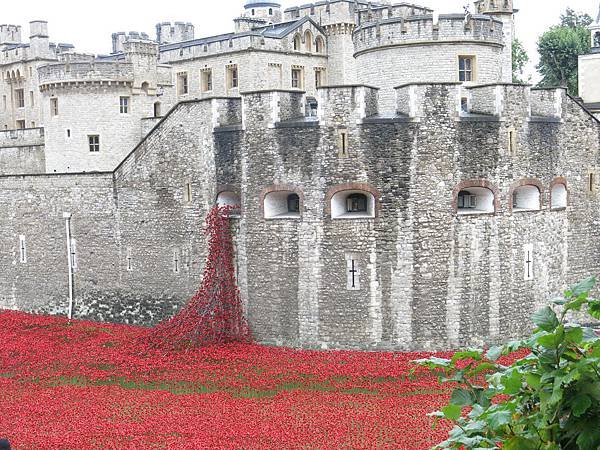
(214, 315)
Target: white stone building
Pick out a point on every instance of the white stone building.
(94, 110)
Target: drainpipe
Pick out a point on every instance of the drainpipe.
(67, 217)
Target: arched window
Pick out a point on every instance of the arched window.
(475, 200)
(308, 41)
(281, 205)
(157, 112)
(558, 196)
(352, 205)
(145, 87)
(230, 198)
(297, 42)
(270, 11)
(319, 45)
(526, 198)
(252, 11)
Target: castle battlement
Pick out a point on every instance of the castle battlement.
(97, 71)
(21, 138)
(422, 30)
(490, 100)
(381, 12)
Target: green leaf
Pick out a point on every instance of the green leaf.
(452, 412)
(520, 443)
(589, 438)
(494, 353)
(594, 309)
(545, 319)
(512, 383)
(499, 419)
(574, 335)
(560, 301)
(581, 403)
(584, 287)
(462, 397)
(533, 380)
(550, 341)
(469, 354)
(433, 362)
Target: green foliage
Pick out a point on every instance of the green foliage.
(573, 20)
(559, 49)
(519, 61)
(548, 400)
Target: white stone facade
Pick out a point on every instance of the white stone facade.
(75, 97)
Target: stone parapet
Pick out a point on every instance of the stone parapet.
(86, 71)
(423, 30)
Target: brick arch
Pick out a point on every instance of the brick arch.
(279, 188)
(556, 181)
(353, 187)
(478, 183)
(525, 182)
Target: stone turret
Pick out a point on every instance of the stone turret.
(178, 32)
(504, 11)
(39, 39)
(119, 39)
(10, 34)
(143, 54)
(268, 11)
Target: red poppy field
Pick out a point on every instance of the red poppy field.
(83, 385)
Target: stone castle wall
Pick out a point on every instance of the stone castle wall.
(22, 151)
(428, 278)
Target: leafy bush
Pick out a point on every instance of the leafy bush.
(548, 400)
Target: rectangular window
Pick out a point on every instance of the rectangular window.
(4, 105)
(466, 68)
(94, 143)
(512, 142)
(232, 77)
(297, 78)
(20, 97)
(591, 187)
(22, 250)
(31, 99)
(30, 72)
(129, 260)
(318, 78)
(20, 124)
(343, 143)
(54, 106)
(182, 83)
(207, 83)
(124, 105)
(187, 193)
(176, 261)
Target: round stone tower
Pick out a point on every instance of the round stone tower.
(502, 10)
(267, 11)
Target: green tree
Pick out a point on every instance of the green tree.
(548, 400)
(572, 19)
(519, 60)
(559, 49)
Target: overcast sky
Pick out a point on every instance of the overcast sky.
(88, 25)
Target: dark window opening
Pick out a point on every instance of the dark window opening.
(293, 203)
(466, 200)
(356, 203)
